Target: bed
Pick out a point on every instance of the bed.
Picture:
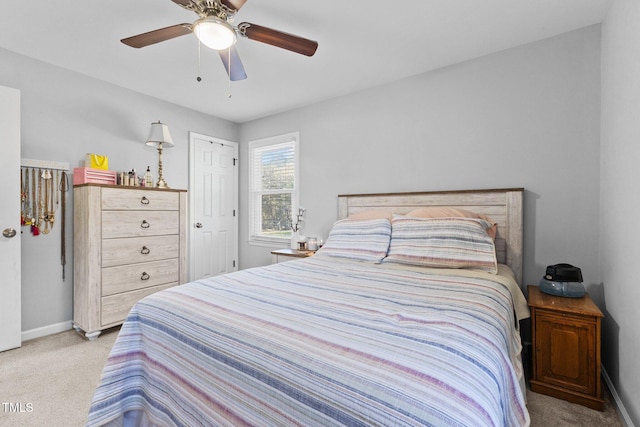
(367, 332)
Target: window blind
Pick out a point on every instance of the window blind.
(273, 169)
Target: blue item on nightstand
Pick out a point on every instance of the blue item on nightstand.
(562, 280)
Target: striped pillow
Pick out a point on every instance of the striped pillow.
(443, 243)
(366, 240)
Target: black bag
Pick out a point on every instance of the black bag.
(563, 273)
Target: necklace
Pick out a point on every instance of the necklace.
(40, 202)
(46, 177)
(27, 199)
(34, 204)
(23, 196)
(51, 196)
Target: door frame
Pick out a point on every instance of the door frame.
(192, 201)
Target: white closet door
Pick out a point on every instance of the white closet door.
(213, 192)
(10, 300)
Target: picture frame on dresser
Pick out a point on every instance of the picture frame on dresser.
(129, 242)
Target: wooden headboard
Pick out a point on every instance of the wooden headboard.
(503, 206)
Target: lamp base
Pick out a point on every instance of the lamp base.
(162, 183)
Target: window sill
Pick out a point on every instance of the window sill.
(269, 242)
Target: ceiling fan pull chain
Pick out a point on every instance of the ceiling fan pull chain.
(229, 80)
(198, 78)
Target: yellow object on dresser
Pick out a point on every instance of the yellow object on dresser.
(128, 243)
(566, 348)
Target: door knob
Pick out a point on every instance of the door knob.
(9, 232)
(198, 225)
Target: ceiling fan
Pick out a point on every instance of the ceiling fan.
(213, 29)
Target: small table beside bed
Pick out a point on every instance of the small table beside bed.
(406, 316)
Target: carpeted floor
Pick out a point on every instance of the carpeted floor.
(50, 381)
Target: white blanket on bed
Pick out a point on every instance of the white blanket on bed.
(317, 342)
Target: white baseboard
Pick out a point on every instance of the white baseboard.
(46, 330)
(616, 398)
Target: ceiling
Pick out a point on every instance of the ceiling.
(362, 43)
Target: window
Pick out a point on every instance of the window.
(273, 192)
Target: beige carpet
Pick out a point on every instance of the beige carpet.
(50, 382)
(56, 375)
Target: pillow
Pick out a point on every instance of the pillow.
(373, 214)
(445, 211)
(442, 243)
(365, 240)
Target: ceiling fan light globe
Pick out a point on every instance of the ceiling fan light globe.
(214, 33)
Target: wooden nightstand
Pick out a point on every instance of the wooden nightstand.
(282, 255)
(565, 333)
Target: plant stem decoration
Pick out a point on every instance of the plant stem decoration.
(295, 222)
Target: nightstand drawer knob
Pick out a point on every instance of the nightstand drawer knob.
(145, 224)
(144, 200)
(145, 250)
(145, 276)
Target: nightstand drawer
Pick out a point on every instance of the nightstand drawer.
(137, 276)
(136, 223)
(134, 250)
(115, 199)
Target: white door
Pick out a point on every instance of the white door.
(213, 195)
(10, 299)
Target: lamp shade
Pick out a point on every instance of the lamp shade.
(159, 134)
(214, 33)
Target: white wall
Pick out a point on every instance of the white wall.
(66, 115)
(526, 117)
(620, 198)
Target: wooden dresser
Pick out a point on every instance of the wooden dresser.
(566, 348)
(129, 242)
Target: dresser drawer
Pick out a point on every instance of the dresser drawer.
(133, 250)
(117, 199)
(138, 223)
(126, 278)
(115, 308)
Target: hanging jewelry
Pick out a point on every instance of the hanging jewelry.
(63, 187)
(40, 202)
(52, 196)
(57, 191)
(46, 177)
(34, 204)
(27, 200)
(22, 199)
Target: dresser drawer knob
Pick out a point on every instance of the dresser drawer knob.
(145, 224)
(145, 276)
(145, 250)
(144, 200)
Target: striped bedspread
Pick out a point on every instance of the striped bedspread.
(318, 342)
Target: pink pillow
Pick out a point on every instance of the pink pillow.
(373, 214)
(449, 212)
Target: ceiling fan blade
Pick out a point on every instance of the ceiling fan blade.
(231, 59)
(233, 4)
(278, 38)
(157, 36)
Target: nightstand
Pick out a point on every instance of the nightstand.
(565, 333)
(282, 255)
